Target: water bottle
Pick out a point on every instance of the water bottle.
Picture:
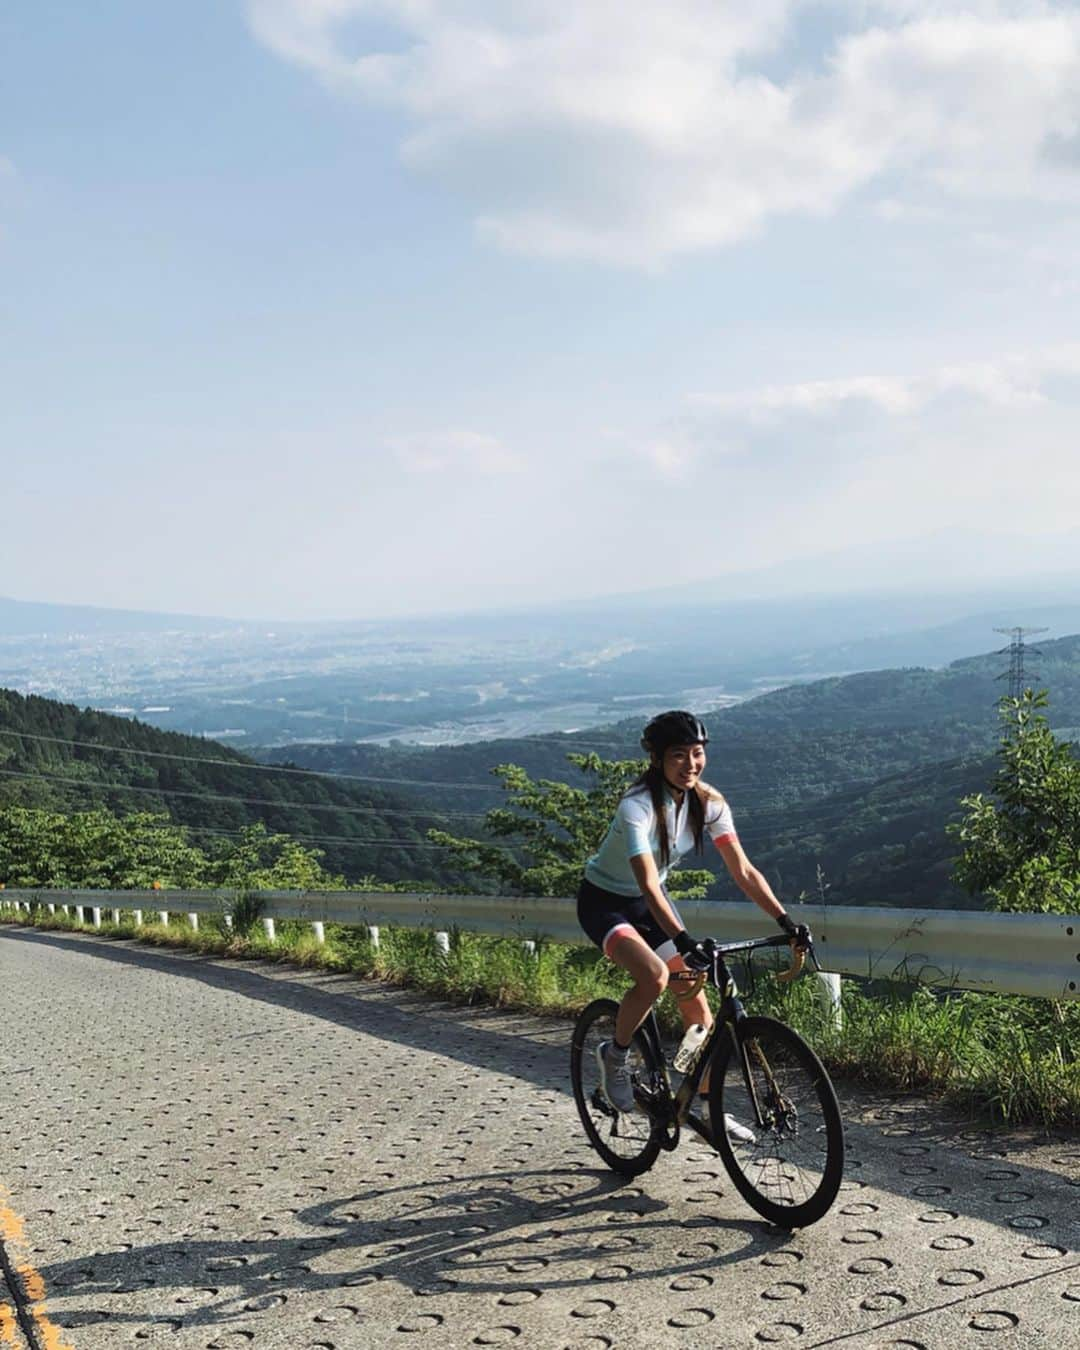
(689, 1047)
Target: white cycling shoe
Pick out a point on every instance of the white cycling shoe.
(737, 1132)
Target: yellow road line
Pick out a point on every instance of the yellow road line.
(9, 1328)
(13, 1235)
(11, 1226)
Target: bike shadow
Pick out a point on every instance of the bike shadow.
(540, 1231)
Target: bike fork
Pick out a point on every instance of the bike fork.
(738, 1020)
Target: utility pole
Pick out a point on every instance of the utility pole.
(1016, 675)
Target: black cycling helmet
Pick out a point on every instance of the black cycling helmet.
(673, 728)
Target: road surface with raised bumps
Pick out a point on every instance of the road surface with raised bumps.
(212, 1155)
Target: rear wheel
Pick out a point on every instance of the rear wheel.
(772, 1083)
(627, 1141)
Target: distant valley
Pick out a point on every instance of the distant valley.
(460, 680)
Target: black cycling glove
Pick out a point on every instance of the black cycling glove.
(798, 932)
(695, 954)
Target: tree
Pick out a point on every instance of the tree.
(1022, 846)
(554, 828)
(260, 861)
(95, 849)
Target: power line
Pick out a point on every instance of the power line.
(359, 842)
(226, 797)
(434, 813)
(241, 764)
(253, 766)
(346, 841)
(793, 816)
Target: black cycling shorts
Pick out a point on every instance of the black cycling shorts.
(603, 913)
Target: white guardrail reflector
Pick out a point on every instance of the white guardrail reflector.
(1036, 954)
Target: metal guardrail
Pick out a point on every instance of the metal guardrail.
(1035, 954)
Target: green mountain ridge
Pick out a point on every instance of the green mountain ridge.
(59, 757)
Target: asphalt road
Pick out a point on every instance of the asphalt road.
(215, 1155)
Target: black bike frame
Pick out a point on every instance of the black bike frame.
(729, 1017)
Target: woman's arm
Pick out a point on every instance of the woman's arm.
(643, 867)
(746, 876)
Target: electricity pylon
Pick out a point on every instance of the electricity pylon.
(1016, 650)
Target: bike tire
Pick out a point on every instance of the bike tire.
(792, 1171)
(628, 1143)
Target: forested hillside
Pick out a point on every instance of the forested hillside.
(882, 844)
(857, 774)
(62, 758)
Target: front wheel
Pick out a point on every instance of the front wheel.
(627, 1141)
(790, 1165)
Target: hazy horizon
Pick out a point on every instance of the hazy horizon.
(837, 575)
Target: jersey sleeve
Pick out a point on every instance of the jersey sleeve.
(636, 817)
(719, 822)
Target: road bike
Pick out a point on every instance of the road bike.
(762, 1074)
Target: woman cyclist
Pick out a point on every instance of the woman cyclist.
(622, 903)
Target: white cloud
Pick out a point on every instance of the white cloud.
(859, 461)
(890, 394)
(633, 132)
(977, 445)
(464, 452)
(1015, 382)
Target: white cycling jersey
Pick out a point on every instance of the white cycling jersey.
(634, 831)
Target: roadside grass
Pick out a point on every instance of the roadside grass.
(1000, 1057)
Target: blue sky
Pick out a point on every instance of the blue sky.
(359, 307)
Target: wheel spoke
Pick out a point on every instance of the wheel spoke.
(793, 1165)
(625, 1140)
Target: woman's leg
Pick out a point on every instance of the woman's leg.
(650, 975)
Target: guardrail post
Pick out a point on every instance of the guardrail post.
(319, 929)
(116, 916)
(228, 921)
(193, 920)
(268, 928)
(51, 908)
(138, 917)
(97, 916)
(828, 992)
(373, 935)
(442, 941)
(67, 911)
(163, 917)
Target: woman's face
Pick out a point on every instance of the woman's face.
(683, 765)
